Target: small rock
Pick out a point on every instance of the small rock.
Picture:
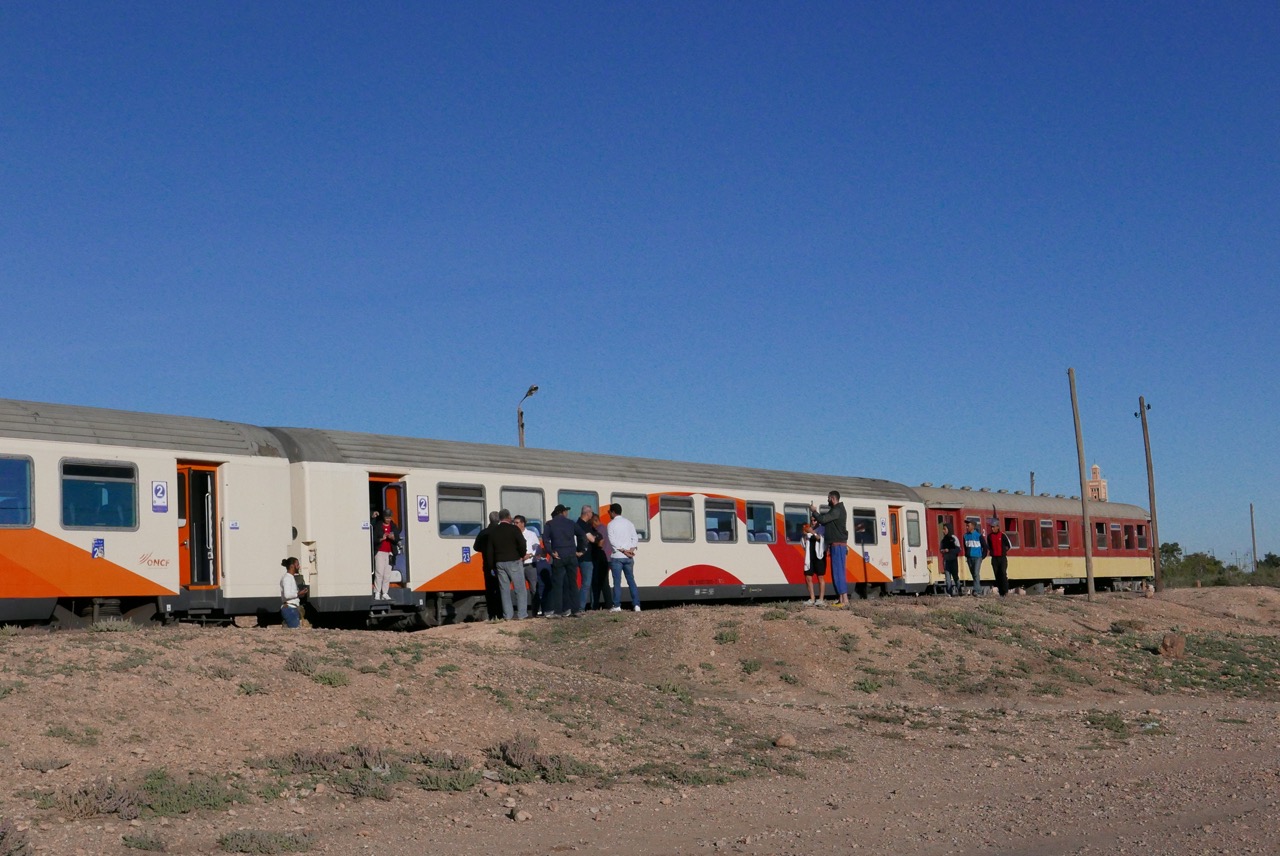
(520, 816)
(785, 740)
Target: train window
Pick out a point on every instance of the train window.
(1143, 544)
(460, 510)
(864, 526)
(99, 495)
(1064, 536)
(1117, 542)
(1011, 529)
(575, 499)
(527, 502)
(675, 518)
(1128, 537)
(722, 520)
(913, 529)
(1100, 536)
(1029, 533)
(15, 492)
(1046, 534)
(794, 517)
(760, 523)
(635, 507)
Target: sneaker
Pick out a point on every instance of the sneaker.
(552, 615)
(636, 607)
(616, 609)
(810, 602)
(539, 612)
(566, 615)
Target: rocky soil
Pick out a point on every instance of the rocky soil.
(1028, 725)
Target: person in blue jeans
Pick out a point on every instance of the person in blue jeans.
(835, 523)
(624, 540)
(975, 550)
(588, 537)
(291, 594)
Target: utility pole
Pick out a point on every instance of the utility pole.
(1033, 482)
(1143, 407)
(520, 414)
(1084, 492)
(1253, 530)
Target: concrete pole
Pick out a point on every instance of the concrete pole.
(1143, 407)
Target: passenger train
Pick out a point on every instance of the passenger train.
(106, 512)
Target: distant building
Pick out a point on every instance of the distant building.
(1096, 485)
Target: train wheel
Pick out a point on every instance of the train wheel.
(469, 609)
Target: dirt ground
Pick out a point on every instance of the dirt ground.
(1028, 725)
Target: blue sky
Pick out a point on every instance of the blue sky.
(860, 238)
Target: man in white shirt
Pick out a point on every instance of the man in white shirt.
(624, 540)
(532, 544)
(290, 602)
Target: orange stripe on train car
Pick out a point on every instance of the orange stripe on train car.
(464, 576)
(36, 564)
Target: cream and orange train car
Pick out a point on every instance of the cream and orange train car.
(1047, 535)
(707, 532)
(105, 512)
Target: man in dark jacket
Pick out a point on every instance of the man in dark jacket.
(560, 539)
(509, 549)
(484, 547)
(949, 547)
(835, 523)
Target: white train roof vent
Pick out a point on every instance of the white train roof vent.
(1002, 490)
(926, 484)
(984, 490)
(966, 487)
(1019, 493)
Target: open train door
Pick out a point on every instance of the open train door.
(198, 552)
(388, 493)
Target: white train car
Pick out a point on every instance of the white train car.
(104, 512)
(707, 532)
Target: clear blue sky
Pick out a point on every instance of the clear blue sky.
(860, 238)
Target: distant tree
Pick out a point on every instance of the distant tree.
(1170, 555)
(1270, 560)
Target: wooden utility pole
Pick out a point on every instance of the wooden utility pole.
(1253, 531)
(1143, 407)
(1084, 492)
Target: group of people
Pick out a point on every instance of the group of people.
(525, 573)
(976, 547)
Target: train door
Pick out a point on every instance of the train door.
(895, 540)
(387, 493)
(198, 525)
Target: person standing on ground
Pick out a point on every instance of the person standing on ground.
(587, 538)
(532, 544)
(624, 541)
(815, 564)
(975, 550)
(835, 522)
(484, 549)
(291, 595)
(999, 545)
(600, 553)
(949, 547)
(561, 538)
(509, 548)
(385, 536)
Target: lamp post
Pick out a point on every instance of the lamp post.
(520, 413)
(1143, 407)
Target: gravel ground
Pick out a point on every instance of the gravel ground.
(1028, 725)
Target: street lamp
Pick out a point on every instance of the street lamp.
(1143, 407)
(520, 413)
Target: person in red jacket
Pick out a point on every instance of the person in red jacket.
(1000, 546)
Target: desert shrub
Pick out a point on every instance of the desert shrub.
(113, 625)
(261, 841)
(99, 797)
(332, 678)
(302, 662)
(443, 780)
(750, 667)
(166, 796)
(143, 841)
(85, 737)
(251, 688)
(726, 636)
(9, 687)
(521, 751)
(775, 615)
(45, 765)
(444, 760)
(13, 841)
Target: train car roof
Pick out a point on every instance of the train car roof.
(393, 454)
(943, 497)
(73, 424)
